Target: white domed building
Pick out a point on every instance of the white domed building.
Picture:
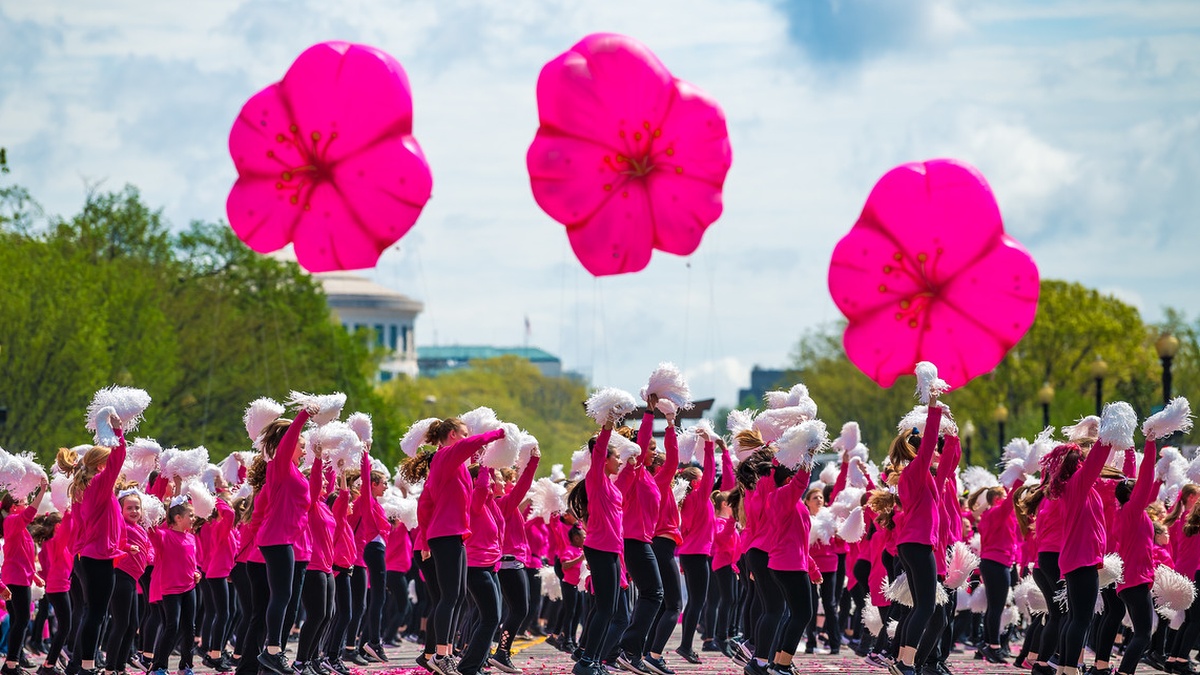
(389, 316)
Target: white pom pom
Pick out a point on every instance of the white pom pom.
(1009, 617)
(1171, 468)
(853, 527)
(800, 443)
(1018, 449)
(824, 527)
(1014, 471)
(610, 405)
(258, 415)
(1175, 417)
(339, 445)
(322, 408)
(105, 434)
(1193, 470)
(978, 602)
(141, 458)
(414, 438)
(480, 420)
(551, 586)
(528, 444)
(406, 513)
(184, 463)
(31, 478)
(976, 477)
(1040, 447)
(668, 383)
(584, 573)
(546, 499)
(829, 473)
(502, 453)
(898, 591)
(626, 449)
(209, 477)
(1112, 571)
(1086, 428)
(231, 466)
(128, 403)
(153, 511)
(974, 543)
(666, 407)
(1172, 590)
(1117, 425)
(891, 628)
(690, 445)
(915, 419)
(556, 473)
(964, 599)
(848, 439)
(960, 563)
(739, 420)
(203, 501)
(680, 489)
(360, 424)
(59, 495)
(928, 382)
(846, 501)
(581, 461)
(871, 619)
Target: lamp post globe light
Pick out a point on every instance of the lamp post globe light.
(1099, 370)
(1046, 397)
(1000, 417)
(1166, 347)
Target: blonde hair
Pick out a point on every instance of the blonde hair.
(81, 469)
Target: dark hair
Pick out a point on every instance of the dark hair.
(1124, 491)
(575, 531)
(782, 474)
(440, 430)
(416, 468)
(42, 528)
(271, 435)
(6, 503)
(1025, 503)
(176, 511)
(577, 500)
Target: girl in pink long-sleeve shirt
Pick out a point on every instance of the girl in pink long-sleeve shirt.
(791, 567)
(97, 532)
(368, 585)
(697, 530)
(54, 536)
(447, 489)
(136, 555)
(642, 496)
(318, 592)
(218, 538)
(19, 572)
(174, 583)
(998, 552)
(725, 549)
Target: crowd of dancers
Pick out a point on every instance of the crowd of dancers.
(306, 556)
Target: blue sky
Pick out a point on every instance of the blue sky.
(1085, 117)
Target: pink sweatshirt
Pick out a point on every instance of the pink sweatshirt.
(487, 524)
(449, 485)
(1083, 513)
(1049, 527)
(20, 555)
(998, 530)
(513, 542)
(917, 522)
(537, 536)
(758, 530)
(344, 552)
(98, 532)
(725, 544)
(698, 519)
(398, 555)
(281, 507)
(57, 570)
(605, 503)
(1134, 532)
(572, 565)
(667, 524)
(789, 548)
(219, 540)
(639, 489)
(175, 571)
(321, 525)
(368, 520)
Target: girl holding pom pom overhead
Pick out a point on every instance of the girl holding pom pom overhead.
(514, 549)
(138, 553)
(173, 585)
(98, 532)
(448, 487)
(18, 571)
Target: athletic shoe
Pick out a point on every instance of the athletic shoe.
(690, 656)
(184, 671)
(942, 668)
(276, 663)
(991, 655)
(753, 668)
(582, 667)
(552, 640)
(376, 650)
(633, 664)
(15, 670)
(320, 668)
(878, 660)
(446, 665)
(354, 657)
(365, 656)
(503, 662)
(338, 666)
(710, 646)
(54, 670)
(658, 665)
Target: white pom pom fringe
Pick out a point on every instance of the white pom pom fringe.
(203, 501)
(551, 586)
(1176, 416)
(848, 439)
(960, 563)
(502, 453)
(581, 461)
(668, 383)
(153, 510)
(141, 458)
(546, 499)
(258, 415)
(853, 527)
(1172, 591)
(928, 382)
(976, 477)
(824, 527)
(679, 489)
(322, 408)
(414, 438)
(610, 405)
(1117, 425)
(800, 443)
(829, 473)
(128, 403)
(739, 420)
(185, 463)
(1014, 471)
(871, 619)
(59, 492)
(360, 424)
(528, 444)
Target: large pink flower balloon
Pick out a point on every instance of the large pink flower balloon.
(928, 274)
(629, 158)
(326, 160)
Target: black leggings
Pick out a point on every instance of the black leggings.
(61, 602)
(96, 580)
(18, 620)
(1048, 580)
(317, 599)
(484, 590)
(672, 605)
(178, 628)
(796, 590)
(696, 568)
(1140, 606)
(1083, 585)
(335, 638)
(1114, 612)
(377, 590)
(397, 587)
(642, 566)
(720, 607)
(917, 561)
(281, 566)
(450, 558)
(605, 572)
(770, 601)
(825, 593)
(533, 611)
(995, 584)
(432, 588)
(255, 595)
(358, 605)
(124, 610)
(215, 632)
(514, 586)
(1189, 631)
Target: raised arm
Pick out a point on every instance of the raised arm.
(481, 490)
(316, 480)
(467, 447)
(600, 452)
(933, 423)
(1092, 465)
(666, 475)
(1146, 487)
(106, 480)
(949, 461)
(512, 500)
(710, 468)
(728, 478)
(840, 483)
(283, 453)
(645, 433)
(1129, 466)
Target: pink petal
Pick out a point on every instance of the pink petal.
(328, 237)
(681, 209)
(358, 92)
(385, 188)
(616, 239)
(868, 274)
(694, 137)
(261, 215)
(571, 178)
(254, 140)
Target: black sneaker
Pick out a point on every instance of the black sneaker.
(337, 666)
(366, 656)
(690, 656)
(276, 663)
(633, 664)
(354, 657)
(658, 665)
(320, 668)
(444, 665)
(54, 670)
(710, 646)
(15, 670)
(752, 668)
(503, 662)
(375, 650)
